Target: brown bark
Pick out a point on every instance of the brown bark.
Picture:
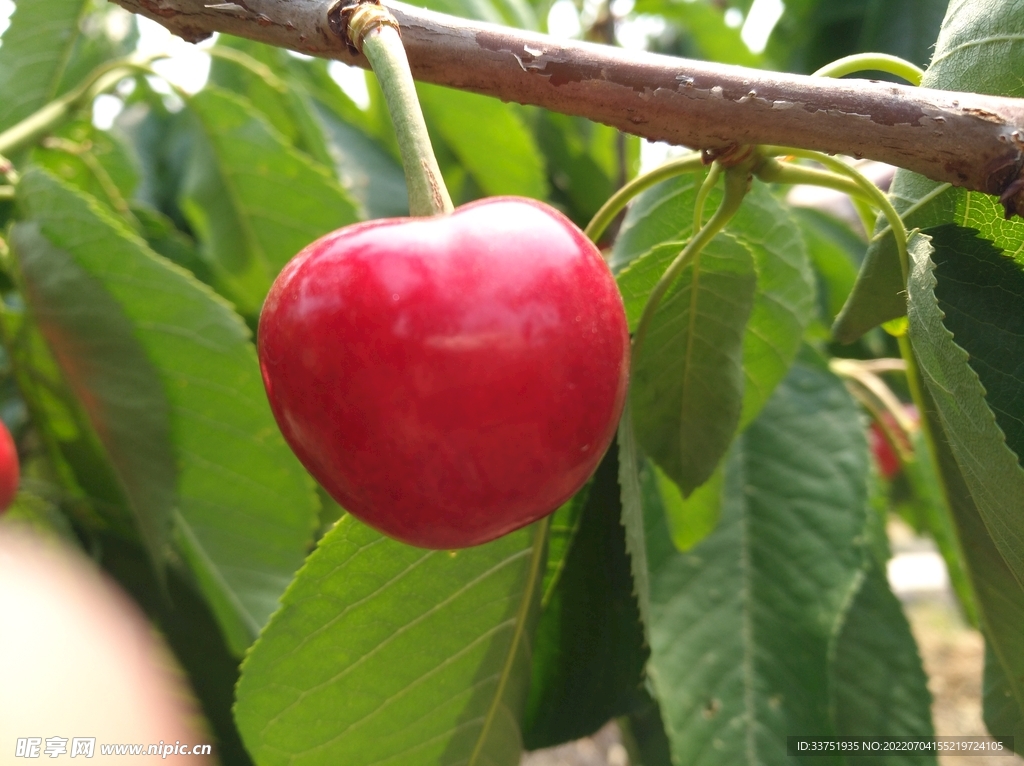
(970, 140)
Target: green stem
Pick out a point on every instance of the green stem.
(868, 215)
(773, 171)
(868, 189)
(55, 113)
(617, 202)
(375, 32)
(702, 194)
(737, 183)
(876, 62)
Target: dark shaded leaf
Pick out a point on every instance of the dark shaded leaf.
(998, 595)
(879, 688)
(179, 611)
(976, 307)
(631, 497)
(741, 624)
(811, 33)
(589, 658)
(1003, 713)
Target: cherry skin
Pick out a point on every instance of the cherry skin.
(885, 456)
(886, 459)
(9, 468)
(449, 379)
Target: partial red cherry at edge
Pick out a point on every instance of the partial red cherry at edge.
(448, 379)
(10, 472)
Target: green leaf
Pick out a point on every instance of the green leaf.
(687, 379)
(495, 146)
(982, 307)
(370, 174)
(35, 51)
(999, 597)
(73, 455)
(589, 659)
(835, 251)
(586, 162)
(265, 91)
(565, 524)
(689, 519)
(784, 302)
(931, 514)
(742, 623)
(385, 653)
(631, 497)
(980, 49)
(185, 620)
(246, 508)
(165, 239)
(704, 24)
(108, 371)
(92, 160)
(512, 13)
(811, 33)
(879, 688)
(253, 201)
(879, 293)
(1003, 715)
(106, 32)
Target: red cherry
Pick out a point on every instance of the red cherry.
(448, 379)
(885, 457)
(9, 469)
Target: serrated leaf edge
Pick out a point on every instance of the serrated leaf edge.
(970, 385)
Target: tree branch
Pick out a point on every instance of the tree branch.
(969, 140)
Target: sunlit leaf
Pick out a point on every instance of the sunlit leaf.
(245, 509)
(34, 54)
(252, 200)
(385, 653)
(687, 377)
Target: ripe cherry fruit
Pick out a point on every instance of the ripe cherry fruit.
(448, 379)
(9, 469)
(886, 459)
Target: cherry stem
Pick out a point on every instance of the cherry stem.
(374, 31)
